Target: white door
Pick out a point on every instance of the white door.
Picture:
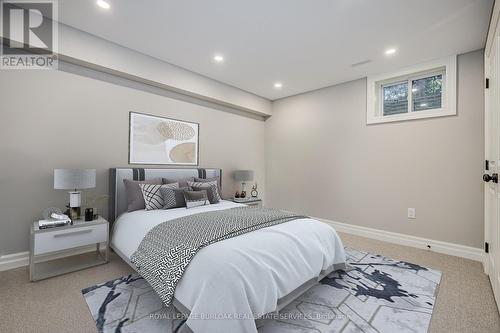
(491, 190)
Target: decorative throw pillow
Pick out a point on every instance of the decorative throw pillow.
(209, 180)
(196, 198)
(211, 187)
(173, 197)
(152, 195)
(182, 181)
(135, 199)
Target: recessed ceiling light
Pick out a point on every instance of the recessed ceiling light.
(218, 58)
(390, 51)
(278, 85)
(103, 4)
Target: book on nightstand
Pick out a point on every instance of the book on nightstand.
(52, 223)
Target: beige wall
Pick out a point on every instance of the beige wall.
(321, 157)
(52, 119)
(323, 160)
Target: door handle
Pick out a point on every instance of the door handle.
(494, 177)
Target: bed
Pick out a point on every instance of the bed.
(234, 284)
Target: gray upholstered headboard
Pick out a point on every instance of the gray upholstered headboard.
(117, 195)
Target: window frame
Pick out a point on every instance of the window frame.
(375, 84)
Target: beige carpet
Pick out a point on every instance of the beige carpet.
(464, 303)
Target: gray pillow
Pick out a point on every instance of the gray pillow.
(210, 187)
(173, 197)
(135, 200)
(196, 198)
(208, 180)
(182, 181)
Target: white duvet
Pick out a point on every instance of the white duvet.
(229, 282)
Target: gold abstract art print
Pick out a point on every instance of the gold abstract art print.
(158, 140)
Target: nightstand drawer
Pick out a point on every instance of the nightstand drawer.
(57, 240)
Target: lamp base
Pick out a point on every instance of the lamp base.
(75, 198)
(75, 203)
(74, 213)
(243, 193)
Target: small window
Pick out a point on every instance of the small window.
(427, 93)
(413, 94)
(395, 98)
(420, 92)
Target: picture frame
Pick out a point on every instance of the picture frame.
(163, 141)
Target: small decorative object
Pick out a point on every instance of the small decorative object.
(254, 192)
(237, 194)
(74, 179)
(159, 140)
(243, 176)
(47, 212)
(89, 214)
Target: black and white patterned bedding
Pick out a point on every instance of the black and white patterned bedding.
(167, 249)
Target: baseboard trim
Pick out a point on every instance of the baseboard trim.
(452, 249)
(21, 259)
(14, 260)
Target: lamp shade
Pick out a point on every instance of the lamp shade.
(243, 175)
(69, 179)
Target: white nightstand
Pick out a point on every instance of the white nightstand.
(254, 202)
(50, 247)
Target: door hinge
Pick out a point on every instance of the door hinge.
(487, 83)
(486, 165)
(486, 247)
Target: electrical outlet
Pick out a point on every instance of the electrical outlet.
(412, 213)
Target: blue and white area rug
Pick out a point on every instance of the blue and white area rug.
(379, 295)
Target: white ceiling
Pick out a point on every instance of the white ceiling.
(305, 44)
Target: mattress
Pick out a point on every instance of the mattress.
(230, 283)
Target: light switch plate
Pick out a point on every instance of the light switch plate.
(412, 213)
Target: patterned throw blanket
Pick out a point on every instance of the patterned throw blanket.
(168, 248)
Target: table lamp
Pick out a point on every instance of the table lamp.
(75, 180)
(243, 176)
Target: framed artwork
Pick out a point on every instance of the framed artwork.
(159, 140)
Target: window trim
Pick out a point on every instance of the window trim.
(374, 102)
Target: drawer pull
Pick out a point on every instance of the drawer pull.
(73, 233)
